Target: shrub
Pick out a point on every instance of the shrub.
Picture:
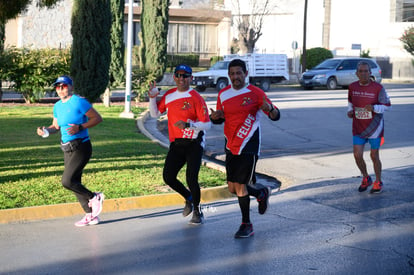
(191, 60)
(32, 72)
(315, 56)
(365, 54)
(140, 82)
(408, 40)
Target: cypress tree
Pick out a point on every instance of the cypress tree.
(2, 35)
(154, 28)
(91, 48)
(11, 9)
(2, 38)
(117, 68)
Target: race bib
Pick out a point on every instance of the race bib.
(361, 113)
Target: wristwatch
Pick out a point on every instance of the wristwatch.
(80, 127)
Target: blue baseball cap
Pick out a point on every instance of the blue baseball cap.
(63, 79)
(183, 67)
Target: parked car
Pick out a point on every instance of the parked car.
(335, 72)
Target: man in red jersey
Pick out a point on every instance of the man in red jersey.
(240, 106)
(367, 102)
(188, 120)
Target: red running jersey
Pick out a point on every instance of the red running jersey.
(364, 123)
(242, 115)
(187, 106)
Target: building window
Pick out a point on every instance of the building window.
(192, 38)
(404, 10)
(408, 11)
(185, 33)
(136, 29)
(184, 38)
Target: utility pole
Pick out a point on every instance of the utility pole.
(304, 37)
(127, 111)
(327, 25)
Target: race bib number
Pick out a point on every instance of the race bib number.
(361, 113)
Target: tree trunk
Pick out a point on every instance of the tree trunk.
(242, 45)
(250, 46)
(107, 98)
(27, 99)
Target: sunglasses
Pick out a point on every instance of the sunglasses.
(185, 75)
(61, 86)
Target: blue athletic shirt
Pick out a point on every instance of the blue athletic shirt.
(72, 112)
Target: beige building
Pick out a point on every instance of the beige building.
(201, 31)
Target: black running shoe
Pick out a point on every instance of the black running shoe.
(188, 208)
(198, 217)
(263, 200)
(245, 231)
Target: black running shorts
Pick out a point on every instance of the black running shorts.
(240, 168)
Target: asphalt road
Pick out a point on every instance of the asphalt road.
(313, 139)
(318, 223)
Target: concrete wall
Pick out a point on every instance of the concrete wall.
(42, 28)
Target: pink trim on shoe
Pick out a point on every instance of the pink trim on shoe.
(96, 203)
(87, 220)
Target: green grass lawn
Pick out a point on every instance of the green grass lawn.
(124, 162)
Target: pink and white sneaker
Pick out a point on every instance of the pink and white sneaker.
(87, 220)
(96, 204)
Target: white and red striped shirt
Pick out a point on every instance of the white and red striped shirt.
(187, 106)
(242, 115)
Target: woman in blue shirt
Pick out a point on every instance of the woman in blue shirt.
(72, 116)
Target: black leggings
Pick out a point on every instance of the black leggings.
(72, 175)
(189, 152)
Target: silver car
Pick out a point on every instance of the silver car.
(335, 72)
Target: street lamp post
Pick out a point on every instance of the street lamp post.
(127, 111)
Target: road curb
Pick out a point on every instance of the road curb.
(110, 205)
